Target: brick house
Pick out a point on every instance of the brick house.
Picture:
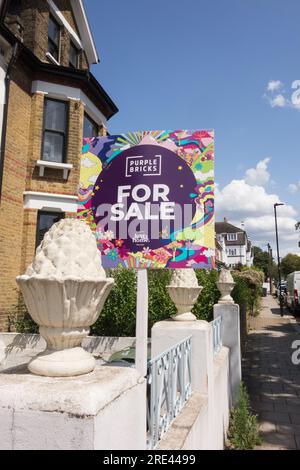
(48, 101)
(236, 248)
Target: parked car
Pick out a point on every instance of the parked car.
(293, 291)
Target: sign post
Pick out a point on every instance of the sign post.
(141, 344)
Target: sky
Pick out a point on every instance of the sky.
(227, 65)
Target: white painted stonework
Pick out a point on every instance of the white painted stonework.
(50, 201)
(230, 333)
(184, 291)
(103, 410)
(65, 167)
(64, 290)
(203, 422)
(63, 92)
(88, 43)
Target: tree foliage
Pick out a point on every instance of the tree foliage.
(289, 264)
(248, 288)
(261, 260)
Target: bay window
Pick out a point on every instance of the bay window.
(55, 131)
(90, 128)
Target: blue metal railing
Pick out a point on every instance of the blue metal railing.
(216, 331)
(169, 388)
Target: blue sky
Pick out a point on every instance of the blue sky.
(207, 64)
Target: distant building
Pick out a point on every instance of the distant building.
(233, 245)
(221, 253)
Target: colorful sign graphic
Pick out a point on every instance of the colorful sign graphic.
(149, 198)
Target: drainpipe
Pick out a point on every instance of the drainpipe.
(5, 109)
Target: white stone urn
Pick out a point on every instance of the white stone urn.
(64, 290)
(225, 285)
(184, 291)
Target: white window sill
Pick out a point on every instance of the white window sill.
(65, 167)
(51, 58)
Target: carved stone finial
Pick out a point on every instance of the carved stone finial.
(64, 289)
(225, 285)
(184, 291)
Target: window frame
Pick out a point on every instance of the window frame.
(231, 237)
(45, 212)
(72, 45)
(93, 122)
(232, 252)
(51, 18)
(64, 134)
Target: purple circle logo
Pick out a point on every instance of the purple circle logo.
(144, 196)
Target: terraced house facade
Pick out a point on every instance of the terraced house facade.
(49, 100)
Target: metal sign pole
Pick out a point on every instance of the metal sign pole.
(141, 344)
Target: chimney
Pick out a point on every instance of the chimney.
(225, 220)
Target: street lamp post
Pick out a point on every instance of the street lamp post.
(278, 256)
(270, 267)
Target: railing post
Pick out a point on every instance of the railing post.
(166, 333)
(184, 291)
(230, 331)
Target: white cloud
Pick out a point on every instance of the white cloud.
(274, 85)
(248, 201)
(258, 175)
(279, 102)
(243, 199)
(292, 188)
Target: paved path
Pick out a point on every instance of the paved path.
(273, 381)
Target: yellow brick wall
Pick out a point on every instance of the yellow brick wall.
(35, 17)
(23, 149)
(13, 186)
(53, 181)
(29, 237)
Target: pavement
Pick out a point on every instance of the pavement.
(272, 380)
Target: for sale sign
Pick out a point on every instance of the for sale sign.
(149, 198)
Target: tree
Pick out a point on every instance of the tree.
(261, 260)
(289, 264)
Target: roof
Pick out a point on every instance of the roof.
(81, 78)
(226, 227)
(85, 32)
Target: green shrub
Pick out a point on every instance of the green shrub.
(160, 303)
(248, 288)
(243, 429)
(209, 296)
(20, 320)
(118, 315)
